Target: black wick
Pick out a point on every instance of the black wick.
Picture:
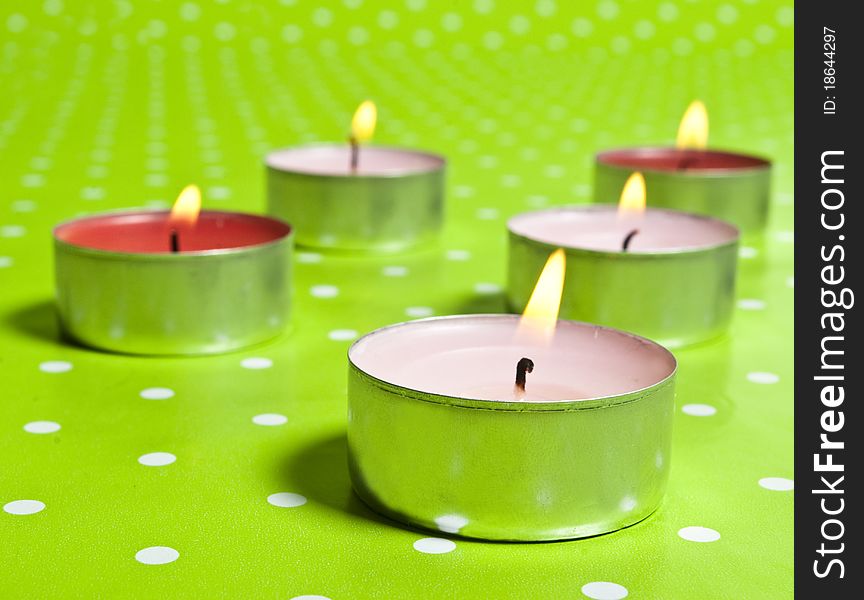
(525, 365)
(175, 241)
(355, 153)
(627, 239)
(687, 161)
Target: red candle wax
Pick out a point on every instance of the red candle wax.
(150, 232)
(680, 159)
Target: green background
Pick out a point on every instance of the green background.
(119, 104)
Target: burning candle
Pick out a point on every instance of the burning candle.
(184, 282)
(666, 275)
(443, 436)
(353, 196)
(729, 186)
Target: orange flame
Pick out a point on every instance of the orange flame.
(187, 207)
(541, 313)
(693, 130)
(363, 123)
(632, 202)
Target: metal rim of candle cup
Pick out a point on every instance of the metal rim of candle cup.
(634, 254)
(593, 403)
(760, 163)
(510, 471)
(115, 301)
(377, 212)
(441, 162)
(673, 320)
(166, 255)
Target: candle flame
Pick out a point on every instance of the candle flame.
(187, 206)
(541, 313)
(363, 123)
(632, 202)
(693, 130)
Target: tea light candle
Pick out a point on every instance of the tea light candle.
(675, 282)
(146, 283)
(730, 186)
(440, 437)
(354, 197)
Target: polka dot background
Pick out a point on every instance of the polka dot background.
(170, 474)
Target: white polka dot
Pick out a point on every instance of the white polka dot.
(387, 19)
(698, 534)
(699, 410)
(270, 419)
(777, 484)
(790, 282)
(765, 34)
(487, 214)
(751, 304)
(156, 393)
(32, 180)
(16, 23)
(644, 29)
(286, 500)
(324, 291)
(41, 427)
(52, 8)
(310, 597)
(256, 362)
(55, 366)
(581, 27)
(24, 507)
(727, 14)
(463, 191)
(487, 288)
(157, 555)
(309, 257)
(458, 255)
(23, 206)
(450, 523)
(419, 311)
(5, 261)
(342, 335)
(12, 231)
(762, 377)
(189, 11)
(395, 271)
(747, 252)
(322, 17)
(434, 545)
(785, 236)
(604, 590)
(224, 32)
(667, 11)
(156, 459)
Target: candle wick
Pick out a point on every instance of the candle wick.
(355, 153)
(625, 245)
(175, 241)
(524, 366)
(687, 161)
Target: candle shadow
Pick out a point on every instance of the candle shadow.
(39, 320)
(319, 471)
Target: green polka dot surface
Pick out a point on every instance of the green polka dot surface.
(226, 476)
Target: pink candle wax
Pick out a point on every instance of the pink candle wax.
(475, 358)
(149, 232)
(601, 228)
(335, 160)
(678, 159)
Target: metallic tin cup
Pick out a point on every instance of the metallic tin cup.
(509, 470)
(196, 302)
(395, 200)
(675, 297)
(735, 188)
